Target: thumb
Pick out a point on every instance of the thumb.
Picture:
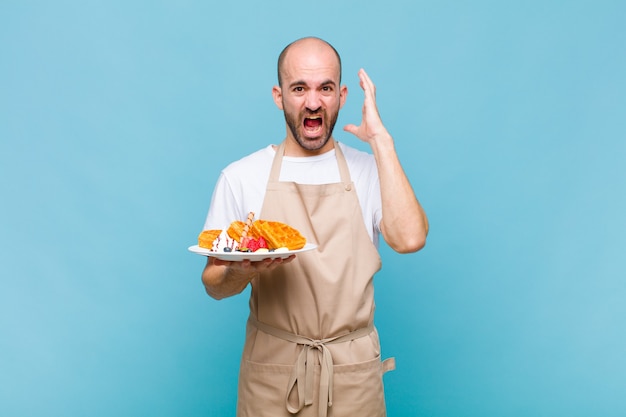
(350, 129)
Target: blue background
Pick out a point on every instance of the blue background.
(116, 118)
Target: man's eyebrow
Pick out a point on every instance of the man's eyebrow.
(297, 83)
(329, 82)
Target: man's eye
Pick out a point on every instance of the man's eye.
(298, 89)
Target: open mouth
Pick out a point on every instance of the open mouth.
(313, 125)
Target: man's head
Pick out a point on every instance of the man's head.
(310, 92)
(321, 42)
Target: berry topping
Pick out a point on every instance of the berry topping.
(253, 244)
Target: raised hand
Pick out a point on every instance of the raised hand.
(371, 126)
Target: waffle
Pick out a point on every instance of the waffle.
(277, 234)
(207, 237)
(235, 231)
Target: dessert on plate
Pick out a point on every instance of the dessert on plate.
(252, 236)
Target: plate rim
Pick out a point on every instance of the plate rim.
(242, 256)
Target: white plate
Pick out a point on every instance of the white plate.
(253, 256)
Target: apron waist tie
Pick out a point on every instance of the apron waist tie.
(302, 374)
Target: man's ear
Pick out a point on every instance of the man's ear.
(343, 94)
(277, 93)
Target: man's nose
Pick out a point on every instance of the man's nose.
(313, 101)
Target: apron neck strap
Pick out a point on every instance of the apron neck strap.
(344, 172)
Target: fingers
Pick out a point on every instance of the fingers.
(280, 261)
(247, 265)
(351, 129)
(366, 82)
(291, 258)
(220, 262)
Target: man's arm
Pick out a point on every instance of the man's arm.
(223, 279)
(404, 224)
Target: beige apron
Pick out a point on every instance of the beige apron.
(311, 347)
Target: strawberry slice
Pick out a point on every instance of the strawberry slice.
(262, 243)
(253, 245)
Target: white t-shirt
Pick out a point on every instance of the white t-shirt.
(241, 186)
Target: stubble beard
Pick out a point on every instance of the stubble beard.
(311, 144)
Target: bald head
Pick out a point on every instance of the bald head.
(305, 46)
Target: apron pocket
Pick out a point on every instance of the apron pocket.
(359, 389)
(262, 389)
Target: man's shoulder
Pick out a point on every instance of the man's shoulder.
(251, 161)
(356, 156)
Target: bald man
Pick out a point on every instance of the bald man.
(311, 346)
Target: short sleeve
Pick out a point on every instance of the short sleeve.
(220, 215)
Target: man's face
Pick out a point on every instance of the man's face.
(310, 96)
